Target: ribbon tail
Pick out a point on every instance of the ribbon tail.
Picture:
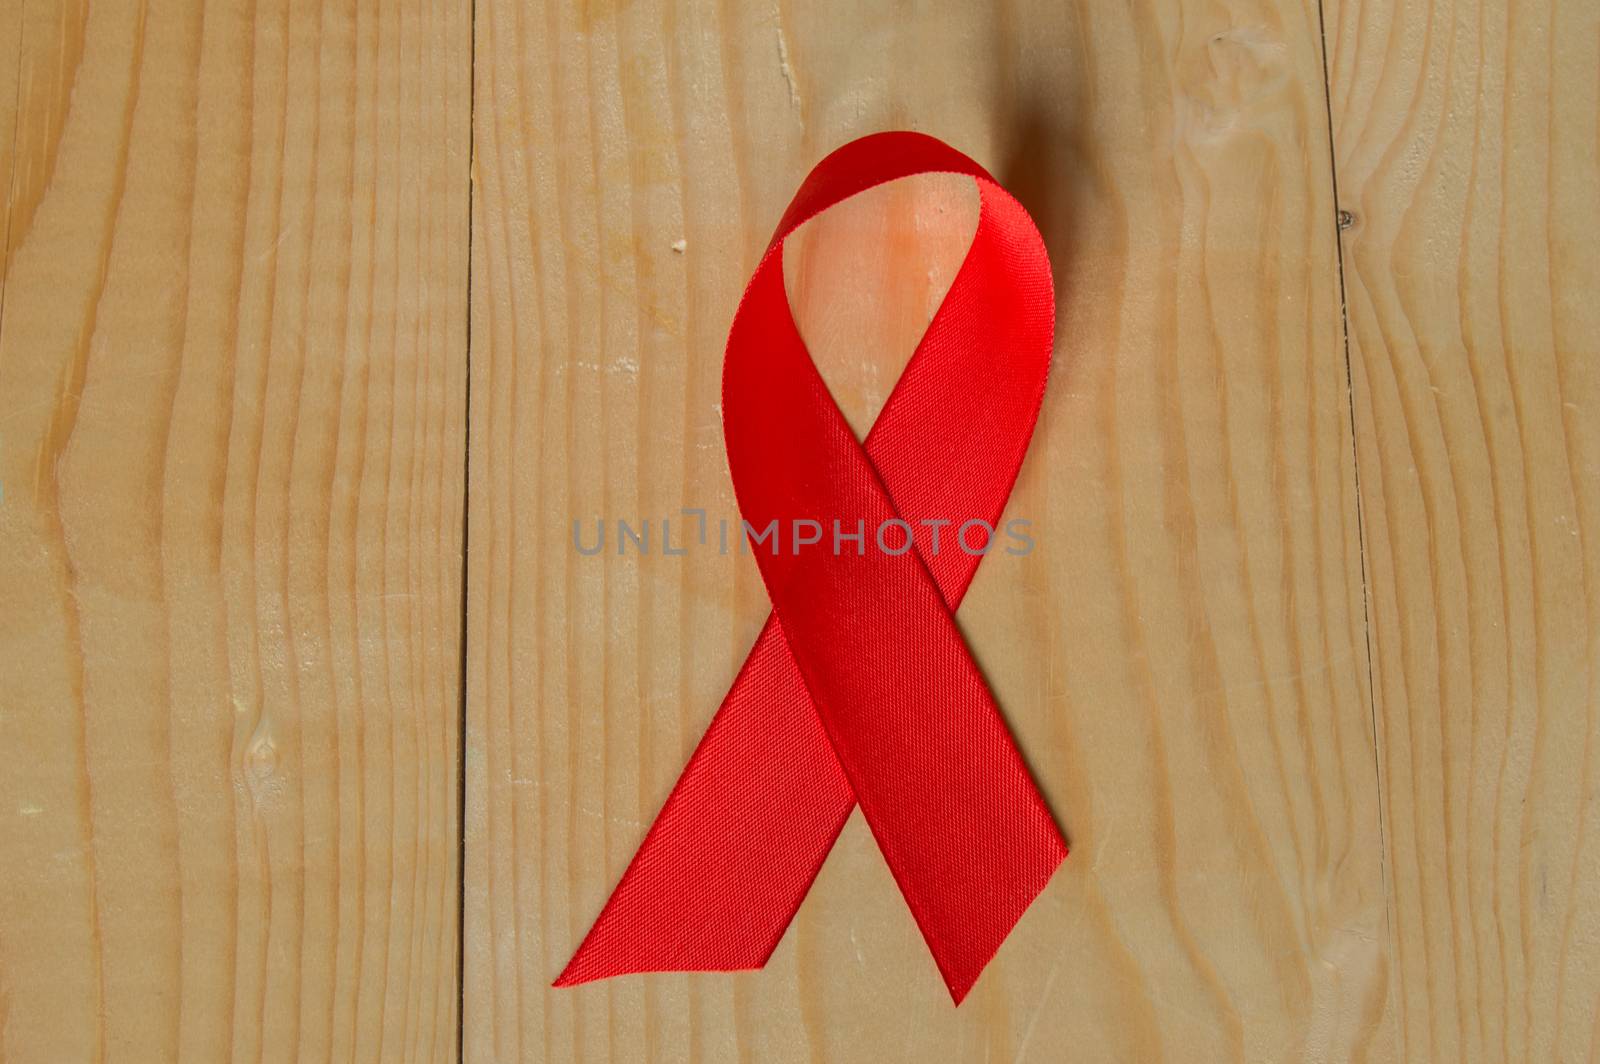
(735, 848)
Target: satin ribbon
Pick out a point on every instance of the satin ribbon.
(860, 688)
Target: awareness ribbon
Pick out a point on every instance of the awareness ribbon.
(860, 687)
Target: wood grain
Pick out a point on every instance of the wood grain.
(232, 418)
(1468, 144)
(1183, 657)
(10, 90)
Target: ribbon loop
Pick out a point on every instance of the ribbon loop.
(860, 687)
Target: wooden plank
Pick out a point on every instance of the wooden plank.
(232, 412)
(1468, 145)
(10, 89)
(1182, 657)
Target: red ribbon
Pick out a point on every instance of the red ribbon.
(860, 687)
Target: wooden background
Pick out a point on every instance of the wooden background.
(321, 322)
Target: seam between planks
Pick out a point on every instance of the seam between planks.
(1355, 465)
(466, 528)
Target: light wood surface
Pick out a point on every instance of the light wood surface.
(1469, 153)
(1306, 658)
(232, 398)
(10, 86)
(1183, 658)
